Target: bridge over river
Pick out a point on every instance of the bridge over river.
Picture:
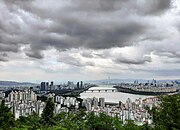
(101, 90)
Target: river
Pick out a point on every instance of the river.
(112, 97)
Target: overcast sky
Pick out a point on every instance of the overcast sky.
(60, 40)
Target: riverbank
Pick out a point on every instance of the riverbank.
(148, 93)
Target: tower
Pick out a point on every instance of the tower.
(81, 86)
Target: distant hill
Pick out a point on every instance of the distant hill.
(14, 83)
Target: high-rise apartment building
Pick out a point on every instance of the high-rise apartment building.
(95, 102)
(27, 95)
(102, 102)
(44, 86)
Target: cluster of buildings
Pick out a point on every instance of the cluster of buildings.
(46, 86)
(154, 89)
(24, 103)
(125, 111)
(154, 86)
(65, 104)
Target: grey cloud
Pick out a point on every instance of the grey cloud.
(3, 57)
(94, 24)
(142, 7)
(155, 7)
(33, 54)
(87, 54)
(71, 60)
(136, 61)
(178, 26)
(8, 47)
(170, 57)
(34, 51)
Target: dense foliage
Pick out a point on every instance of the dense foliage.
(165, 117)
(6, 117)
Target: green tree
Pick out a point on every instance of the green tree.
(167, 115)
(48, 113)
(92, 121)
(32, 122)
(102, 122)
(7, 120)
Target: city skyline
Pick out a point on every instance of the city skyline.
(82, 41)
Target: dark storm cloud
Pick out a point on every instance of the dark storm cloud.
(96, 24)
(98, 34)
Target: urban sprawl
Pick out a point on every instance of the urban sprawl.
(23, 101)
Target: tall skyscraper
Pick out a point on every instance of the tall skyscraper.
(47, 86)
(52, 83)
(77, 85)
(81, 86)
(43, 86)
(51, 87)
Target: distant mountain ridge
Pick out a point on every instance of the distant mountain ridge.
(14, 83)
